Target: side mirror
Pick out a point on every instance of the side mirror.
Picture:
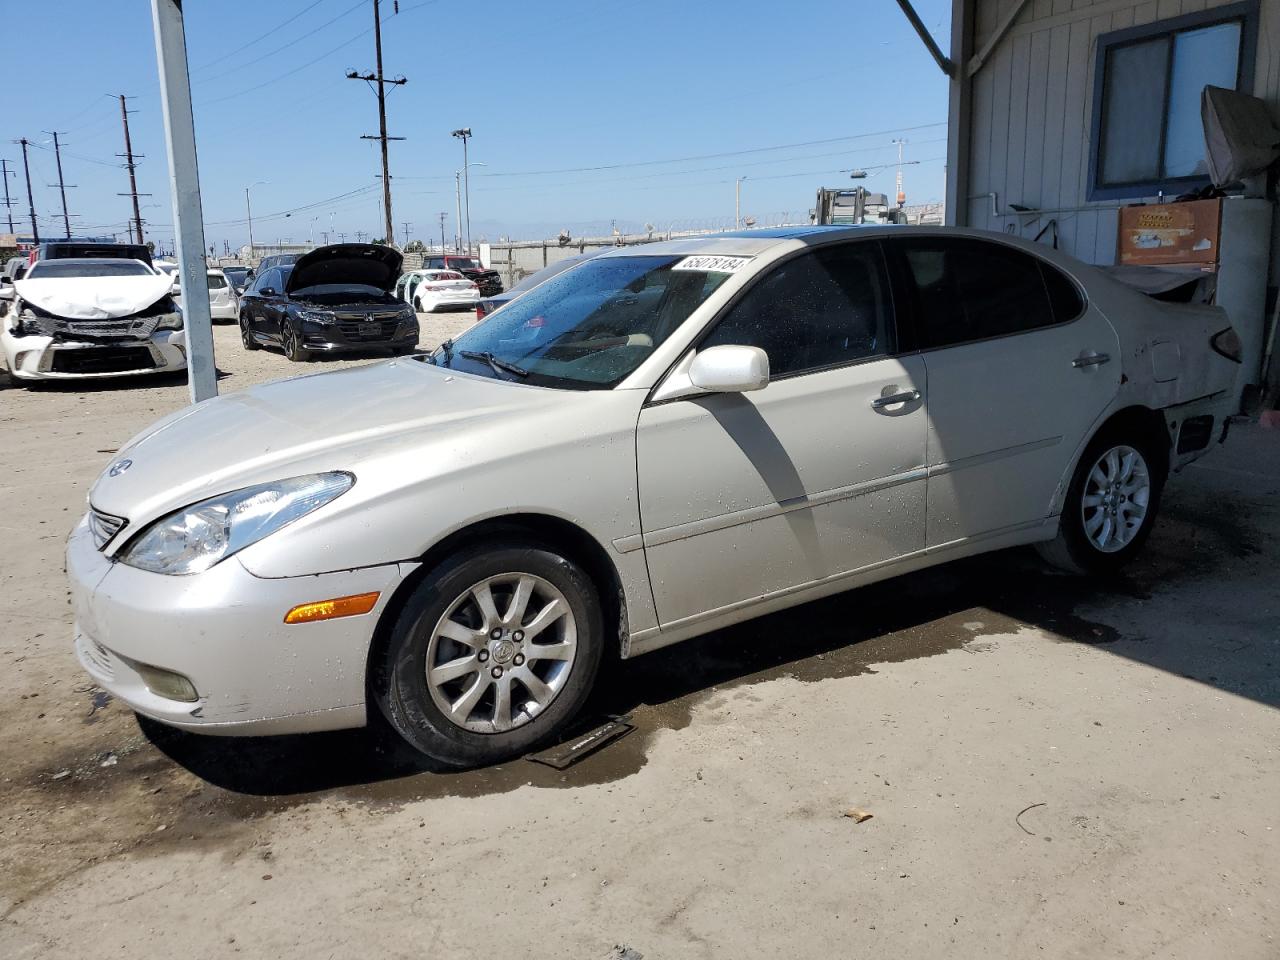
(730, 369)
(267, 292)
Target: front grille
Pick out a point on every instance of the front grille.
(102, 360)
(366, 331)
(99, 657)
(103, 527)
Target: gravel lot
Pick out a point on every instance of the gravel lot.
(1055, 767)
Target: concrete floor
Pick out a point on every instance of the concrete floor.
(1137, 720)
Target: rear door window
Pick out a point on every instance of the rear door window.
(821, 309)
(967, 289)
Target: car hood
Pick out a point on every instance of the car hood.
(93, 298)
(347, 264)
(328, 421)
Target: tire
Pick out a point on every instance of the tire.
(246, 335)
(543, 692)
(417, 305)
(1121, 473)
(292, 344)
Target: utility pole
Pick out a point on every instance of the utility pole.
(443, 216)
(457, 191)
(408, 229)
(31, 204)
(737, 202)
(62, 185)
(902, 197)
(382, 137)
(5, 173)
(131, 164)
(464, 134)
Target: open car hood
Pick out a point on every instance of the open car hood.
(93, 298)
(346, 264)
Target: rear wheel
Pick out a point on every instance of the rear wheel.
(1110, 506)
(292, 343)
(493, 654)
(417, 304)
(246, 334)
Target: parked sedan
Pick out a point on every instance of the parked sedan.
(661, 442)
(489, 304)
(432, 290)
(333, 299)
(91, 317)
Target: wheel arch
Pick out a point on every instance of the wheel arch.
(545, 529)
(1147, 422)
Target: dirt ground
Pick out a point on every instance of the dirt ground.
(1055, 767)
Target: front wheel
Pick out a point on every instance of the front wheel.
(292, 343)
(1110, 506)
(493, 654)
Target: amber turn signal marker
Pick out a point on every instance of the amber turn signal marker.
(331, 609)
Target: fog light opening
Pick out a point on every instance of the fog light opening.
(352, 606)
(166, 683)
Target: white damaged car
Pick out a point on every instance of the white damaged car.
(91, 317)
(660, 442)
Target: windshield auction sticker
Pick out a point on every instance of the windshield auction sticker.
(712, 264)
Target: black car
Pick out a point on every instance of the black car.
(488, 281)
(80, 249)
(332, 299)
(489, 304)
(238, 277)
(277, 260)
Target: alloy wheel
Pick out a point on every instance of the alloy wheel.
(246, 335)
(501, 653)
(1117, 493)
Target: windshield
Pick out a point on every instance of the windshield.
(546, 273)
(50, 269)
(587, 328)
(463, 263)
(236, 275)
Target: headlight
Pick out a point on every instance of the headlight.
(316, 316)
(197, 537)
(170, 321)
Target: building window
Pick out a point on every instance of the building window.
(1147, 134)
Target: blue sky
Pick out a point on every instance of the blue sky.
(665, 101)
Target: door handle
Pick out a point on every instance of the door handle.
(1093, 360)
(906, 396)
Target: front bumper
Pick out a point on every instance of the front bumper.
(338, 337)
(44, 358)
(224, 630)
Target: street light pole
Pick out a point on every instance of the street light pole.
(737, 203)
(457, 191)
(443, 215)
(249, 210)
(464, 134)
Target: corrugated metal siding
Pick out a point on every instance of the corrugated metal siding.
(1032, 104)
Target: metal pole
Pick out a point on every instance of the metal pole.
(62, 187)
(8, 204)
(442, 219)
(133, 180)
(948, 66)
(184, 182)
(248, 209)
(457, 191)
(31, 204)
(466, 181)
(737, 203)
(382, 121)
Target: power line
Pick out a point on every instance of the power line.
(260, 37)
(281, 49)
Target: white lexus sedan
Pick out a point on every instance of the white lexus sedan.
(666, 440)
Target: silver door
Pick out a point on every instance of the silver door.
(745, 496)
